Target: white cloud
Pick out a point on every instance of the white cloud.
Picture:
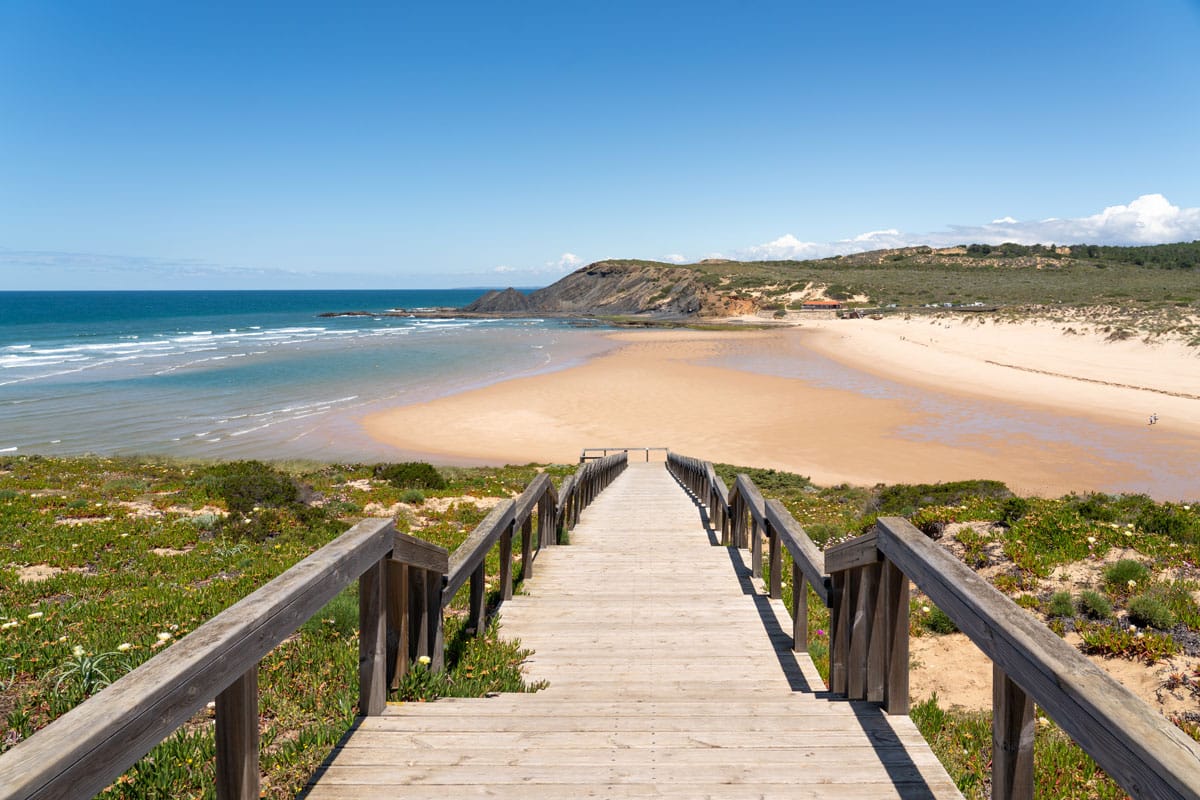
(504, 268)
(1150, 219)
(566, 262)
(675, 258)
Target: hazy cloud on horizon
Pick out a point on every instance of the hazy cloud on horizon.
(1150, 219)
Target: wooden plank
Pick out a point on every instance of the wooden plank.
(1142, 751)
(425, 555)
(861, 551)
(236, 739)
(87, 748)
(1013, 725)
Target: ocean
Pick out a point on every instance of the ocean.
(246, 374)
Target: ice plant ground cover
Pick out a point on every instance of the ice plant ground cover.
(1128, 568)
(106, 562)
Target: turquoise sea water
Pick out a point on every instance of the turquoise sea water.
(241, 374)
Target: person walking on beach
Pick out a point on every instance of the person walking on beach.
(1153, 418)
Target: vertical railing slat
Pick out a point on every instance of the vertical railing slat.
(237, 739)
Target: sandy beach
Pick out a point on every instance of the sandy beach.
(856, 401)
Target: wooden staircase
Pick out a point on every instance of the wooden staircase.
(671, 674)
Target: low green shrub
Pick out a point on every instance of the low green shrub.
(1094, 605)
(1094, 506)
(242, 485)
(906, 498)
(1121, 577)
(1148, 611)
(411, 475)
(938, 621)
(1013, 509)
(1169, 521)
(1108, 639)
(413, 497)
(1061, 605)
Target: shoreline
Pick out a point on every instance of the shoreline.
(690, 390)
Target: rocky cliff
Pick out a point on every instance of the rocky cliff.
(613, 287)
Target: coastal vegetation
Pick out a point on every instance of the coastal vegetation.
(106, 561)
(1132, 290)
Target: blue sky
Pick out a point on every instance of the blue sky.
(288, 145)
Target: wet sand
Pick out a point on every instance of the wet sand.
(859, 402)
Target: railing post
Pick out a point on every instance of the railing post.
(372, 639)
(859, 634)
(237, 739)
(506, 560)
(799, 609)
(839, 632)
(776, 562)
(398, 621)
(434, 581)
(895, 591)
(477, 617)
(756, 555)
(1013, 725)
(880, 635)
(527, 539)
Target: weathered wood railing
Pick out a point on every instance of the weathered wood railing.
(87, 748)
(746, 520)
(404, 585)
(590, 453)
(867, 589)
(1139, 749)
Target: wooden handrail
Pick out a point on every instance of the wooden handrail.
(404, 585)
(586, 453)
(86, 749)
(1139, 749)
(744, 519)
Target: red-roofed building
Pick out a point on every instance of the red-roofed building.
(821, 305)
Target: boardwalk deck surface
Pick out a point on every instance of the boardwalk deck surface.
(670, 675)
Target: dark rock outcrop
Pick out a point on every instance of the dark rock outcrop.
(608, 287)
(510, 301)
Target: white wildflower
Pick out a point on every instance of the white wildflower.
(1132, 584)
(123, 646)
(426, 660)
(1091, 540)
(12, 623)
(77, 651)
(35, 615)
(1133, 628)
(164, 636)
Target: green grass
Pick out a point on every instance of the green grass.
(224, 531)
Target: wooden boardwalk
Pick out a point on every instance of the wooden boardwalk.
(671, 675)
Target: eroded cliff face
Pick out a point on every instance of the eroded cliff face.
(614, 288)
